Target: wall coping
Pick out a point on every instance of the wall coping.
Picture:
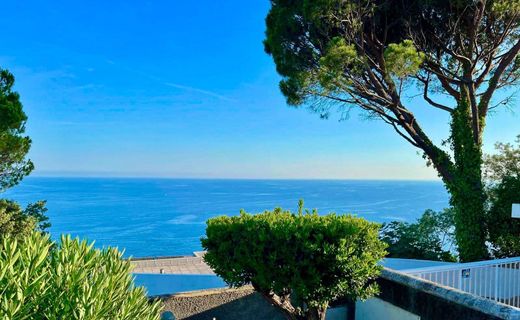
(474, 302)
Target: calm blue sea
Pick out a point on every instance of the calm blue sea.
(154, 217)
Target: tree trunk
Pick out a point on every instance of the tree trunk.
(316, 313)
(283, 303)
(466, 187)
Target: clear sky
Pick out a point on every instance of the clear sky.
(184, 89)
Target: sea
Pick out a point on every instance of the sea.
(148, 217)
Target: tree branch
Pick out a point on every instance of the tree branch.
(445, 81)
(428, 99)
(413, 143)
(494, 81)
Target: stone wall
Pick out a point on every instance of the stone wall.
(219, 304)
(231, 304)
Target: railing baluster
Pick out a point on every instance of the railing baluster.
(517, 276)
(478, 284)
(514, 285)
(471, 276)
(485, 281)
(496, 283)
(506, 286)
(510, 289)
(505, 295)
(460, 279)
(512, 294)
(453, 278)
(511, 286)
(481, 282)
(500, 286)
(517, 286)
(508, 283)
(483, 286)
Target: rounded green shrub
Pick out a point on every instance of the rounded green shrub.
(300, 262)
(40, 279)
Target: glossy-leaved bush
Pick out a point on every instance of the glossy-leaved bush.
(300, 262)
(40, 279)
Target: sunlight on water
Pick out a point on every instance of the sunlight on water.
(154, 217)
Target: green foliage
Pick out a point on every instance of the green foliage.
(341, 54)
(505, 163)
(430, 238)
(37, 210)
(328, 77)
(467, 189)
(70, 280)
(504, 231)
(339, 57)
(13, 145)
(316, 46)
(15, 221)
(503, 172)
(402, 59)
(506, 7)
(18, 222)
(313, 259)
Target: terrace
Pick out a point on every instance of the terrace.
(410, 289)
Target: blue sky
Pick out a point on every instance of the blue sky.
(184, 89)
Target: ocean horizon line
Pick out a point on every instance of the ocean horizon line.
(146, 177)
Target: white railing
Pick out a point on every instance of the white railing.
(498, 280)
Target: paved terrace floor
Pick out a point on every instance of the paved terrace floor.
(172, 265)
(195, 264)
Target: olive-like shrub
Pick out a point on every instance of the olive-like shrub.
(300, 262)
(40, 279)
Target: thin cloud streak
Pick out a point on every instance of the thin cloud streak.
(206, 92)
(170, 84)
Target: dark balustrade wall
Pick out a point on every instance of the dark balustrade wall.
(433, 302)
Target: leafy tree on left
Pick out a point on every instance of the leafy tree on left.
(14, 165)
(14, 146)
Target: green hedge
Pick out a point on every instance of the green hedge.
(299, 261)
